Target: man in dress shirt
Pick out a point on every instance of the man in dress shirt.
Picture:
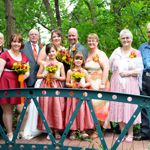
(145, 51)
(74, 43)
(31, 49)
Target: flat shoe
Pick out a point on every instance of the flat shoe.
(94, 135)
(10, 136)
(72, 135)
(129, 139)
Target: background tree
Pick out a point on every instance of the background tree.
(104, 17)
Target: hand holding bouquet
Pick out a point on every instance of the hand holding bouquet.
(51, 68)
(76, 77)
(21, 69)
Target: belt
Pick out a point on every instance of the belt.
(8, 70)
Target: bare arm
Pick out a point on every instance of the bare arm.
(40, 74)
(2, 64)
(42, 56)
(68, 79)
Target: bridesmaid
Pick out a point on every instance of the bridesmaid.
(97, 65)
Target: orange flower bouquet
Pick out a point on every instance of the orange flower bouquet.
(64, 57)
(76, 77)
(21, 69)
(51, 68)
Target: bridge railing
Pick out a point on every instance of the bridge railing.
(82, 95)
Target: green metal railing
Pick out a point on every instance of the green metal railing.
(82, 95)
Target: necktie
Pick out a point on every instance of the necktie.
(34, 51)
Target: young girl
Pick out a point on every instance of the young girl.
(83, 120)
(52, 72)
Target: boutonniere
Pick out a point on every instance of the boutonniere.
(133, 54)
(74, 49)
(95, 58)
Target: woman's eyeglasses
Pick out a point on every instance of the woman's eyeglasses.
(148, 31)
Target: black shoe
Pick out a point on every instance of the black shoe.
(140, 137)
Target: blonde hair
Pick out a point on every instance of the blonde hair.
(127, 32)
(93, 36)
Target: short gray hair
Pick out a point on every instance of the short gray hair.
(126, 31)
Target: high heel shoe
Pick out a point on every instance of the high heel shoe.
(10, 136)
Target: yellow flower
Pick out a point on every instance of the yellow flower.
(77, 76)
(52, 68)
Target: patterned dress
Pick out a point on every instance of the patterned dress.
(122, 112)
(9, 78)
(94, 69)
(83, 120)
(52, 107)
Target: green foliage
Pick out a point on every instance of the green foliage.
(105, 19)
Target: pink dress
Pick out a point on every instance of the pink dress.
(83, 120)
(122, 112)
(9, 78)
(95, 74)
(52, 107)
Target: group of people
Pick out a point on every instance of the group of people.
(130, 74)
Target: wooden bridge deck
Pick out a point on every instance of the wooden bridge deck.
(95, 143)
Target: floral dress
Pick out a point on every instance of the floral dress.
(94, 69)
(122, 112)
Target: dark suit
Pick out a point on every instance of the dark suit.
(79, 47)
(33, 64)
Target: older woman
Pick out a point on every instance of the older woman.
(97, 65)
(9, 79)
(126, 66)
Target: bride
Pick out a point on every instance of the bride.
(30, 130)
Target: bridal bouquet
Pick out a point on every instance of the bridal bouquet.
(76, 77)
(21, 69)
(51, 68)
(64, 57)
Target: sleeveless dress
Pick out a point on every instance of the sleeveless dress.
(9, 78)
(83, 120)
(122, 112)
(94, 69)
(52, 107)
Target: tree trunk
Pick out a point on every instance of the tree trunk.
(57, 13)
(10, 19)
(50, 13)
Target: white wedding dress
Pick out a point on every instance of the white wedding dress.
(30, 130)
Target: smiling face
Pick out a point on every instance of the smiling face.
(79, 60)
(52, 53)
(73, 36)
(16, 42)
(56, 39)
(126, 40)
(34, 36)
